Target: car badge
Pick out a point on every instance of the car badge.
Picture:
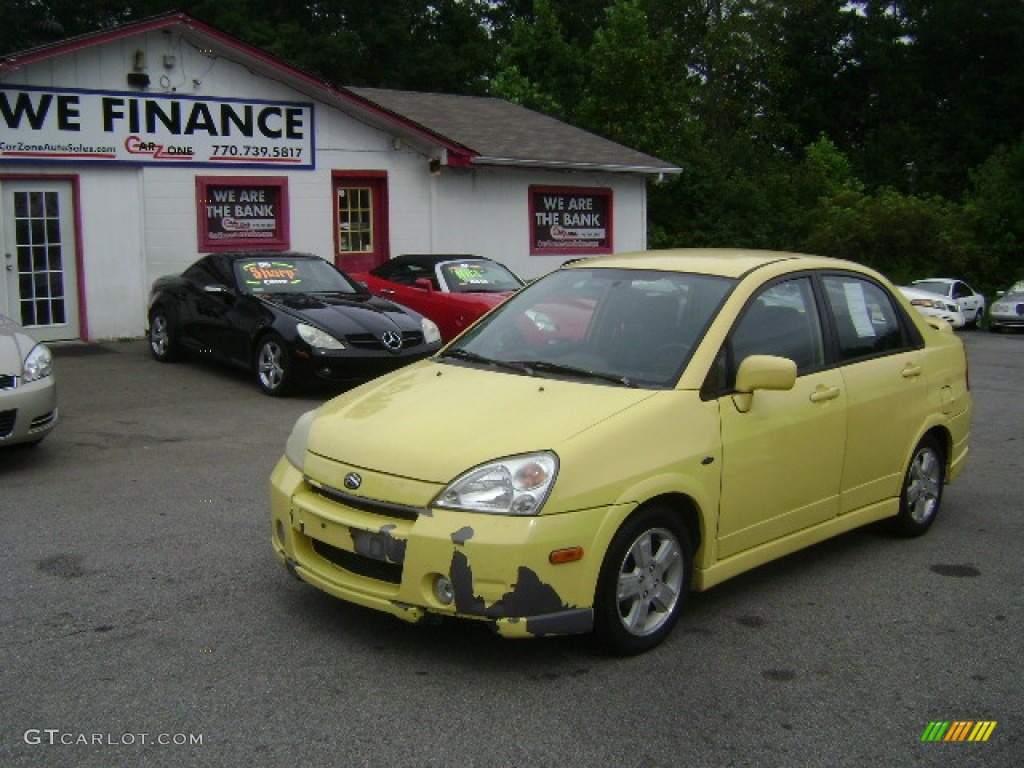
(392, 341)
(353, 481)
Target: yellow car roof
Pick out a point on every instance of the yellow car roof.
(725, 262)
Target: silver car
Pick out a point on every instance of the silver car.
(28, 392)
(1008, 310)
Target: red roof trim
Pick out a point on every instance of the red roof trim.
(458, 154)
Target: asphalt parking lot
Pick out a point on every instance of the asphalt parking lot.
(144, 620)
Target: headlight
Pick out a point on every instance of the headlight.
(518, 485)
(295, 448)
(431, 332)
(38, 364)
(317, 338)
(929, 303)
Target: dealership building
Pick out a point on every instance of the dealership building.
(126, 153)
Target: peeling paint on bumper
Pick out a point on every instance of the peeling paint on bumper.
(497, 566)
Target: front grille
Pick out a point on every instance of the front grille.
(369, 341)
(8, 381)
(7, 419)
(359, 565)
(384, 509)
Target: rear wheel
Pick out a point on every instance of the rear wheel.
(643, 582)
(274, 369)
(922, 489)
(163, 341)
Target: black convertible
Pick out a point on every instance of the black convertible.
(287, 317)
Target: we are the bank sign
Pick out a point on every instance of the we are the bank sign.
(70, 125)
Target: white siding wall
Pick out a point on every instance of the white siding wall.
(140, 222)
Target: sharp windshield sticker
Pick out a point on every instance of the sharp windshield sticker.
(268, 274)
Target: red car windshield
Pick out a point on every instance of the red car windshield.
(478, 276)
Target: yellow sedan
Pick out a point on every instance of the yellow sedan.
(620, 432)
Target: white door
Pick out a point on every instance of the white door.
(39, 279)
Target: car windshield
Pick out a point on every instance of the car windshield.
(260, 276)
(933, 286)
(478, 276)
(1017, 287)
(634, 328)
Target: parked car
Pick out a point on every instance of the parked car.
(287, 317)
(1008, 310)
(971, 303)
(932, 305)
(701, 413)
(451, 290)
(28, 388)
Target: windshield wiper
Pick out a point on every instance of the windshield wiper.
(473, 357)
(571, 370)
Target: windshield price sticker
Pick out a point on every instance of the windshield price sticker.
(266, 274)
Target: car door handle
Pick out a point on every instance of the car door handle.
(823, 393)
(910, 370)
(387, 291)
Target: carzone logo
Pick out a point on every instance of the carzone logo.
(958, 730)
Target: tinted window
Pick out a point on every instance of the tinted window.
(866, 321)
(406, 273)
(783, 321)
(201, 273)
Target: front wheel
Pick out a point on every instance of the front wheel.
(922, 489)
(163, 343)
(274, 369)
(643, 582)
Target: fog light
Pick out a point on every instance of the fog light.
(443, 590)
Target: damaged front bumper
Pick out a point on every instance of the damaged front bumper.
(413, 562)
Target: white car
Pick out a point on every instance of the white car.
(28, 394)
(972, 303)
(935, 306)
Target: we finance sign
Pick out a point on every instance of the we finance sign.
(68, 125)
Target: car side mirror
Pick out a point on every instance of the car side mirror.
(425, 284)
(766, 372)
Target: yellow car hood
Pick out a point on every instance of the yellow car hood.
(432, 421)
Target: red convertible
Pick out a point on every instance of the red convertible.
(451, 290)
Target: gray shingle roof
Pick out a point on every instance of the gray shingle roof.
(503, 133)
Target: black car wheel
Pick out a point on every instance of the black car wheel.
(163, 343)
(643, 582)
(922, 489)
(274, 370)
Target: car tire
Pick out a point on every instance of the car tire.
(921, 494)
(163, 339)
(978, 317)
(643, 582)
(273, 365)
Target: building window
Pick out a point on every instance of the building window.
(355, 220)
(242, 213)
(570, 220)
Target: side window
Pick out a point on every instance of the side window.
(203, 275)
(867, 324)
(782, 320)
